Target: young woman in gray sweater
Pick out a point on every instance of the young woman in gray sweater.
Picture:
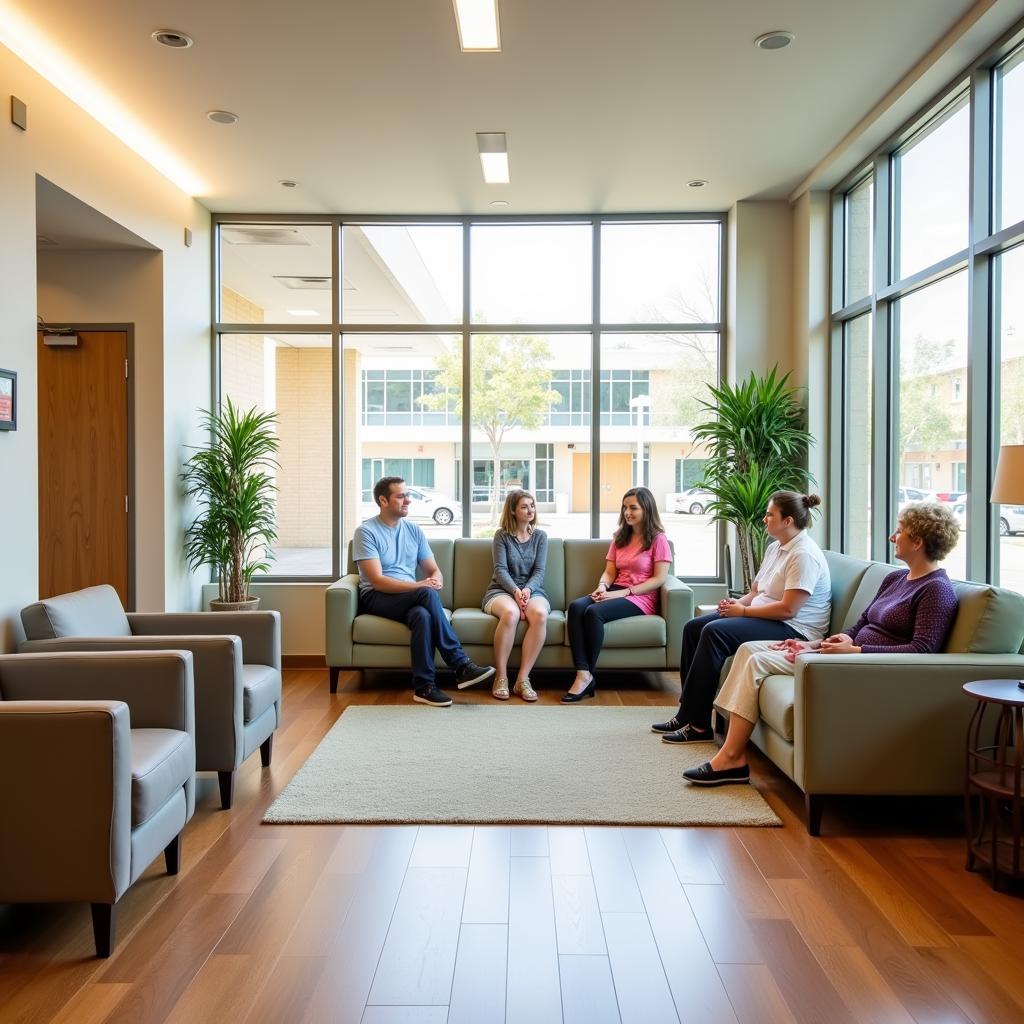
(516, 592)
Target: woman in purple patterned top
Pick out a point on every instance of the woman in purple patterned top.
(911, 614)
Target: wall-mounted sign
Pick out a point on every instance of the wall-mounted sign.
(8, 400)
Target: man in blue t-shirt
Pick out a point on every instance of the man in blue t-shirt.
(388, 550)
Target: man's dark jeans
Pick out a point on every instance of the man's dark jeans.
(422, 612)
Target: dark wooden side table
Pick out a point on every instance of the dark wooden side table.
(992, 791)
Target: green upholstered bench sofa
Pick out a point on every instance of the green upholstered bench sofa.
(357, 641)
(893, 724)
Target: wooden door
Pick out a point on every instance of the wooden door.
(83, 464)
(616, 479)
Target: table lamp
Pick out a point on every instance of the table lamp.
(1008, 488)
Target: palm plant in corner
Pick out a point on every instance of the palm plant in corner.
(232, 480)
(757, 444)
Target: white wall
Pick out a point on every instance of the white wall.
(70, 149)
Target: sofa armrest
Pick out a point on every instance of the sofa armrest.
(260, 632)
(342, 605)
(157, 686)
(677, 610)
(887, 723)
(65, 826)
(217, 672)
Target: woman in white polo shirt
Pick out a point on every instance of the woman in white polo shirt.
(791, 598)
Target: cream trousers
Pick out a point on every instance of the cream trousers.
(751, 665)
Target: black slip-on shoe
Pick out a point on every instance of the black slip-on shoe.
(674, 724)
(688, 734)
(432, 696)
(705, 775)
(469, 673)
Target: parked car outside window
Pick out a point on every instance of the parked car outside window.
(426, 504)
(693, 501)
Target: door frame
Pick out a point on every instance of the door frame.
(129, 330)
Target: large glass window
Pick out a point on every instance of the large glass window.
(660, 273)
(401, 274)
(857, 424)
(380, 392)
(518, 428)
(858, 219)
(402, 417)
(931, 175)
(1009, 330)
(1008, 165)
(275, 273)
(671, 374)
(531, 273)
(931, 331)
(290, 375)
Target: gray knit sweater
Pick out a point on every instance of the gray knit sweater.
(517, 565)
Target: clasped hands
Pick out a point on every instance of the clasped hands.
(602, 593)
(522, 598)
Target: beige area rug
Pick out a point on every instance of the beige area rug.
(472, 763)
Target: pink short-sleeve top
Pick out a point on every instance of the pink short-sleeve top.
(634, 566)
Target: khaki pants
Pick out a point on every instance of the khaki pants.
(751, 665)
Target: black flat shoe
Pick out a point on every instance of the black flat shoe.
(575, 698)
(688, 734)
(705, 775)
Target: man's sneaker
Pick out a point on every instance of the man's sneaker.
(688, 734)
(469, 673)
(672, 725)
(433, 696)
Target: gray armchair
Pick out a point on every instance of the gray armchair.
(98, 754)
(236, 656)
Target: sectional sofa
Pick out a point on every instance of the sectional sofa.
(652, 642)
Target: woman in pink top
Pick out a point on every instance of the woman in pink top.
(635, 569)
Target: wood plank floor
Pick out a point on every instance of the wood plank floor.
(875, 921)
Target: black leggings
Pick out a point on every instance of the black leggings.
(586, 626)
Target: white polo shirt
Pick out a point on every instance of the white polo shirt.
(797, 565)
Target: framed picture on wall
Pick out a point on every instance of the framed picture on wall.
(8, 400)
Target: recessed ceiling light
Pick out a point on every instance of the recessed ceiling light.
(499, 202)
(169, 37)
(477, 21)
(777, 39)
(697, 183)
(493, 157)
(222, 117)
(287, 183)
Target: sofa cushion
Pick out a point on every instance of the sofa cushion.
(990, 620)
(638, 631)
(375, 629)
(95, 611)
(867, 590)
(846, 574)
(471, 572)
(775, 702)
(162, 761)
(473, 626)
(261, 688)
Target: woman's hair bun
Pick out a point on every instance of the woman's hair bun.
(811, 501)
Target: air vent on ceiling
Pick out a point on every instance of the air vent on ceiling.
(259, 235)
(305, 284)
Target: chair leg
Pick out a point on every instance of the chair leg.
(267, 751)
(172, 855)
(104, 922)
(335, 672)
(227, 789)
(813, 806)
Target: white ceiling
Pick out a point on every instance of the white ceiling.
(607, 105)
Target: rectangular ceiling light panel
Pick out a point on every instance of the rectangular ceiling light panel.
(478, 25)
(493, 157)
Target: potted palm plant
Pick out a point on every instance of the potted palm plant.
(757, 444)
(232, 482)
